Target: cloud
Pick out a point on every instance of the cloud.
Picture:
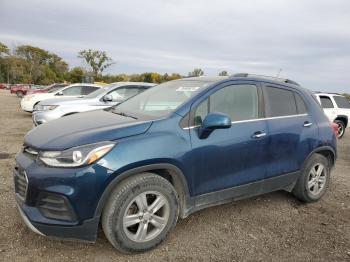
(308, 40)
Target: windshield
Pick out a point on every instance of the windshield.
(162, 99)
(98, 92)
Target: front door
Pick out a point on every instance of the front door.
(234, 156)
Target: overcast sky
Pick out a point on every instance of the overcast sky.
(308, 39)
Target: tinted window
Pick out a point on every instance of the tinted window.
(72, 91)
(89, 89)
(279, 102)
(239, 102)
(300, 104)
(341, 102)
(201, 112)
(326, 102)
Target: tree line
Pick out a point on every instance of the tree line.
(33, 65)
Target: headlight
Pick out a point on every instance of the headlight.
(45, 107)
(76, 156)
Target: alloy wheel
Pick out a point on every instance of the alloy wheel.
(317, 179)
(146, 216)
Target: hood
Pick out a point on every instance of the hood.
(39, 96)
(84, 128)
(64, 101)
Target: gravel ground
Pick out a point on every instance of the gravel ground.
(272, 227)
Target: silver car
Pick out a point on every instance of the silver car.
(107, 96)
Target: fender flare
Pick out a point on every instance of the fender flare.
(319, 149)
(177, 175)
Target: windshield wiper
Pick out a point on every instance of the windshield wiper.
(122, 114)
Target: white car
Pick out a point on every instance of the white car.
(336, 108)
(76, 90)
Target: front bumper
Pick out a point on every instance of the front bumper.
(81, 188)
(26, 105)
(28, 223)
(87, 231)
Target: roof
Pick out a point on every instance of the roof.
(204, 78)
(85, 84)
(327, 93)
(132, 83)
(269, 78)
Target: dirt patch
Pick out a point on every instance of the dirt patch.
(272, 227)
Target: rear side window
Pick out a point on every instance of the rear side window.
(326, 102)
(300, 104)
(72, 91)
(341, 102)
(279, 102)
(239, 102)
(88, 89)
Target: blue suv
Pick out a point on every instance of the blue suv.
(174, 149)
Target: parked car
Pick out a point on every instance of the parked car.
(3, 86)
(174, 149)
(46, 89)
(108, 96)
(21, 90)
(336, 108)
(28, 102)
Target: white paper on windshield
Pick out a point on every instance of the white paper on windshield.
(187, 88)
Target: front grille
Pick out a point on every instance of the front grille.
(55, 206)
(21, 182)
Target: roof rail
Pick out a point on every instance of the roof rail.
(288, 81)
(320, 92)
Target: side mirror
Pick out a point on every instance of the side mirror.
(213, 121)
(108, 98)
(60, 93)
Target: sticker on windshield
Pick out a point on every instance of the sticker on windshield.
(188, 88)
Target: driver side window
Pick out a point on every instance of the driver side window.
(239, 102)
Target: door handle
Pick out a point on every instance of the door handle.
(258, 134)
(307, 124)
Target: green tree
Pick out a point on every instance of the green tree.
(196, 72)
(75, 75)
(223, 73)
(4, 49)
(35, 58)
(97, 60)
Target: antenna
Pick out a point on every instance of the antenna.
(279, 72)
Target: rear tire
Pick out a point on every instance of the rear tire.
(314, 179)
(341, 128)
(19, 93)
(140, 212)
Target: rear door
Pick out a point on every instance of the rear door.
(291, 130)
(88, 89)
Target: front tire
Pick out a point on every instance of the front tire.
(341, 128)
(140, 212)
(314, 179)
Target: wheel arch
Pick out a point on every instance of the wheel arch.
(326, 151)
(168, 171)
(343, 118)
